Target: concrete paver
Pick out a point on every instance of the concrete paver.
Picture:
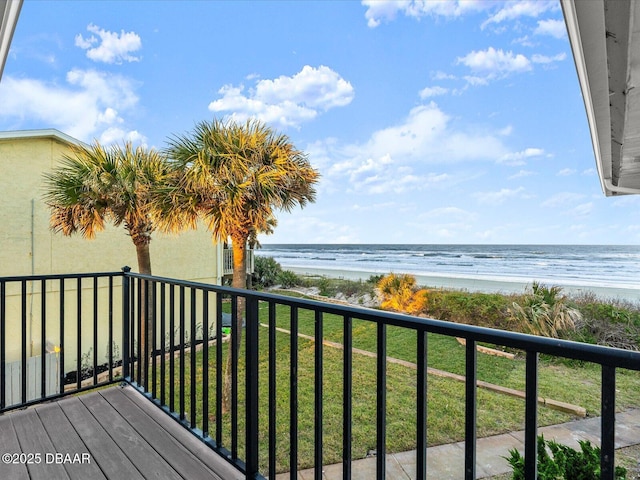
(447, 461)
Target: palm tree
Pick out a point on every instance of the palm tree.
(236, 176)
(95, 185)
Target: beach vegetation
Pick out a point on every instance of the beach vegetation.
(399, 292)
(613, 323)
(544, 311)
(288, 279)
(609, 322)
(472, 308)
(265, 272)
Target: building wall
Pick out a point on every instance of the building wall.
(28, 246)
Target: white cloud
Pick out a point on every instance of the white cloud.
(581, 210)
(440, 75)
(514, 10)
(554, 28)
(518, 158)
(427, 135)
(506, 131)
(499, 197)
(476, 81)
(562, 199)
(386, 10)
(495, 61)
(402, 157)
(89, 104)
(111, 47)
(287, 101)
(522, 174)
(428, 92)
(544, 59)
(117, 135)
(566, 172)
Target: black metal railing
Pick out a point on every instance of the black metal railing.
(50, 326)
(175, 350)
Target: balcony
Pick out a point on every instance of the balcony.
(227, 261)
(169, 415)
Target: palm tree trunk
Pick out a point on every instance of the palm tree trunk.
(239, 247)
(146, 309)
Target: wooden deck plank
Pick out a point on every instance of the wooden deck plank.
(136, 448)
(107, 454)
(33, 439)
(215, 462)
(182, 460)
(9, 444)
(124, 433)
(66, 441)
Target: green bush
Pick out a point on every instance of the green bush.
(483, 309)
(266, 272)
(559, 462)
(288, 279)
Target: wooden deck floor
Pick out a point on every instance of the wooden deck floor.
(113, 433)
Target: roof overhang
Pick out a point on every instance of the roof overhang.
(48, 133)
(605, 39)
(9, 11)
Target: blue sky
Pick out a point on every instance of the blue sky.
(430, 122)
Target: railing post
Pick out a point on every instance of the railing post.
(607, 425)
(421, 406)
(381, 399)
(471, 399)
(347, 392)
(531, 417)
(126, 319)
(252, 368)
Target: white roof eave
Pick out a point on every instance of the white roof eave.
(599, 30)
(9, 12)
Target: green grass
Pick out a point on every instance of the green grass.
(497, 413)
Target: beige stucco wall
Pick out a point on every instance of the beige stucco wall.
(28, 246)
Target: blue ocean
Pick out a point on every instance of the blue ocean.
(607, 270)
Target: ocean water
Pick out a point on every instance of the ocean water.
(606, 270)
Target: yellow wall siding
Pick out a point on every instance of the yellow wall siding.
(29, 246)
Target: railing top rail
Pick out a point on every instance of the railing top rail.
(28, 278)
(614, 357)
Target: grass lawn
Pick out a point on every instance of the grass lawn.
(497, 413)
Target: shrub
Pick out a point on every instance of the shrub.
(612, 323)
(288, 279)
(544, 312)
(559, 462)
(483, 309)
(396, 291)
(266, 272)
(418, 302)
